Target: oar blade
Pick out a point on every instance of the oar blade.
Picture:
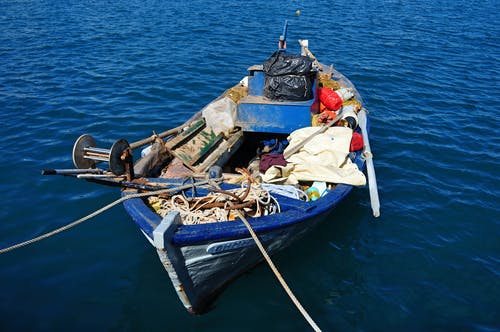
(370, 169)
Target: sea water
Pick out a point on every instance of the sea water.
(428, 72)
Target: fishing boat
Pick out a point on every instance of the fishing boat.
(273, 155)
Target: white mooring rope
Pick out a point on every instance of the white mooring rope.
(97, 212)
(277, 273)
(138, 195)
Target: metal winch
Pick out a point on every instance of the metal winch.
(119, 158)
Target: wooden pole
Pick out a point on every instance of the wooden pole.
(153, 137)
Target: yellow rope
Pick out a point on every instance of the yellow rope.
(277, 273)
(97, 212)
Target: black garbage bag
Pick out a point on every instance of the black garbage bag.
(289, 87)
(289, 77)
(281, 63)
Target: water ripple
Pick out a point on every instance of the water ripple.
(429, 75)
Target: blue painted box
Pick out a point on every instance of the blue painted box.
(259, 114)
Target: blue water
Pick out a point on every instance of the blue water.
(428, 71)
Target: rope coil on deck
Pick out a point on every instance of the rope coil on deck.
(216, 206)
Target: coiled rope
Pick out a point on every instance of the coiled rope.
(101, 210)
(215, 206)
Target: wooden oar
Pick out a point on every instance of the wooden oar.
(370, 169)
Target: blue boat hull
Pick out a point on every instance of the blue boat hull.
(208, 257)
(201, 259)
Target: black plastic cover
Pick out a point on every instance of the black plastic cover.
(281, 63)
(288, 77)
(289, 87)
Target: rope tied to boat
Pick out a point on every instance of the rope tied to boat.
(210, 182)
(240, 213)
(236, 198)
(278, 275)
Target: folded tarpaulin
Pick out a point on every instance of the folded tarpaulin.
(323, 158)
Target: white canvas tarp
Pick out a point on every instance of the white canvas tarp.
(323, 158)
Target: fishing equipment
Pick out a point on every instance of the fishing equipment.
(216, 206)
(325, 81)
(120, 159)
(349, 116)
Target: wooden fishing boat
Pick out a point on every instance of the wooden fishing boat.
(192, 184)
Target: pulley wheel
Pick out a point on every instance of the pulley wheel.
(84, 141)
(116, 164)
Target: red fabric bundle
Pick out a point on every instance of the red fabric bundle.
(330, 98)
(356, 142)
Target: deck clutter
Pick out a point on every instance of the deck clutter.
(280, 149)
